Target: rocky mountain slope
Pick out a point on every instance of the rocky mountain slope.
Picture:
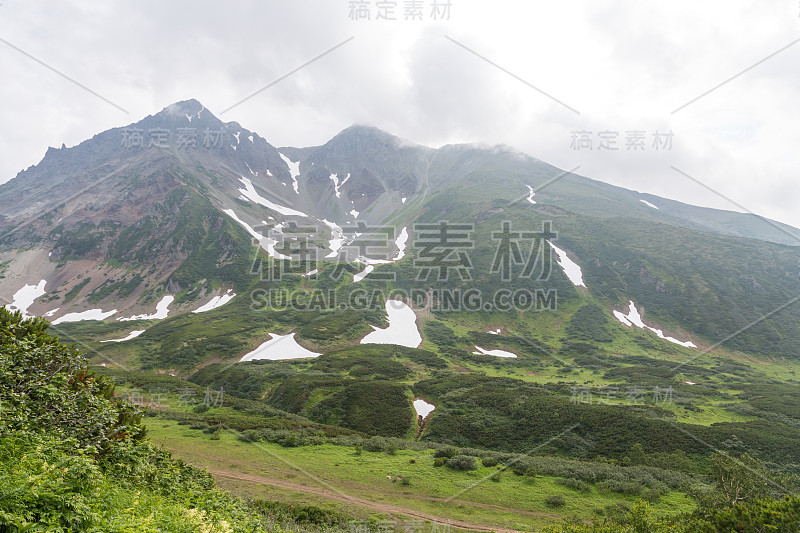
(160, 218)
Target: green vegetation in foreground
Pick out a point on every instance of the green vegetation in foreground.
(379, 471)
(74, 458)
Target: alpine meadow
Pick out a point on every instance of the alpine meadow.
(410, 325)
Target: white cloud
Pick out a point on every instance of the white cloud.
(624, 65)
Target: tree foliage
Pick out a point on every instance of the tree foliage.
(46, 386)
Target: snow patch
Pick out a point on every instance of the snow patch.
(337, 238)
(131, 335)
(237, 136)
(250, 138)
(645, 202)
(403, 200)
(354, 213)
(402, 328)
(337, 186)
(216, 301)
(633, 318)
(294, 170)
(25, 297)
(335, 180)
(267, 243)
(570, 267)
(91, 314)
(52, 312)
(496, 353)
(279, 347)
(363, 274)
(162, 311)
(401, 242)
(423, 408)
(531, 194)
(250, 193)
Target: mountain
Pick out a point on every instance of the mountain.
(159, 218)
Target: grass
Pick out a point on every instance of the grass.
(514, 502)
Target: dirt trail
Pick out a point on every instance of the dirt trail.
(386, 508)
(334, 493)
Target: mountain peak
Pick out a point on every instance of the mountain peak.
(184, 107)
(367, 137)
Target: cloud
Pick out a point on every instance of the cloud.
(624, 65)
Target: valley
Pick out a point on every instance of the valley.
(385, 332)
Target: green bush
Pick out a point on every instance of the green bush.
(376, 444)
(524, 467)
(462, 462)
(555, 500)
(438, 333)
(573, 483)
(72, 458)
(47, 386)
(489, 461)
(447, 451)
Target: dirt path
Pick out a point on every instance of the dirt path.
(385, 508)
(333, 493)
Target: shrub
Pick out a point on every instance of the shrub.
(462, 462)
(47, 386)
(489, 461)
(555, 500)
(623, 487)
(573, 483)
(377, 444)
(475, 452)
(438, 333)
(524, 467)
(249, 435)
(439, 461)
(448, 452)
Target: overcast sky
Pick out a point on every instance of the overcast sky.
(526, 74)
